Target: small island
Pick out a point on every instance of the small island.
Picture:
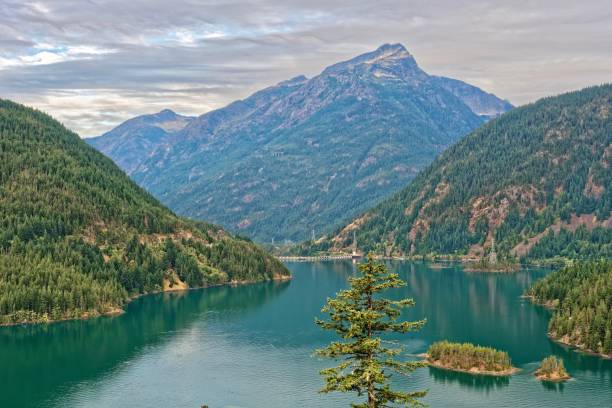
(552, 369)
(487, 265)
(492, 263)
(471, 359)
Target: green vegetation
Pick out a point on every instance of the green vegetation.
(306, 153)
(359, 315)
(485, 265)
(528, 179)
(581, 244)
(78, 238)
(470, 358)
(552, 369)
(581, 295)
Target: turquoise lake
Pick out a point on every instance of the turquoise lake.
(252, 346)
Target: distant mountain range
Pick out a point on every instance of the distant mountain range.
(535, 181)
(130, 143)
(304, 154)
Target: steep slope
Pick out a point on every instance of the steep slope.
(78, 238)
(481, 103)
(310, 153)
(537, 180)
(129, 142)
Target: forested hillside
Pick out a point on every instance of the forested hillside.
(308, 152)
(581, 296)
(536, 181)
(78, 238)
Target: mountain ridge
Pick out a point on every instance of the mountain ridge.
(535, 180)
(291, 156)
(482, 103)
(126, 141)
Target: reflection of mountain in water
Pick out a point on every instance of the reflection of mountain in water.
(482, 383)
(55, 355)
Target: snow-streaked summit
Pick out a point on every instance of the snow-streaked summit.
(384, 55)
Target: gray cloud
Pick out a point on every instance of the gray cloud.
(93, 64)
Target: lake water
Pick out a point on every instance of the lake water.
(251, 346)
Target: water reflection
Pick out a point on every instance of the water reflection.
(483, 308)
(578, 363)
(552, 386)
(252, 346)
(481, 383)
(54, 355)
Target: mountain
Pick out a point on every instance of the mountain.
(481, 103)
(309, 153)
(78, 238)
(536, 181)
(129, 142)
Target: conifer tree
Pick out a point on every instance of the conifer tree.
(360, 316)
(79, 238)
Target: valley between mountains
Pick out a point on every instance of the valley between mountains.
(305, 154)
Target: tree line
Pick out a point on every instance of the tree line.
(465, 356)
(78, 238)
(581, 296)
(539, 164)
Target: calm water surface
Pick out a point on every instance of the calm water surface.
(252, 346)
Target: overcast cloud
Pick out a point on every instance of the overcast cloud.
(93, 64)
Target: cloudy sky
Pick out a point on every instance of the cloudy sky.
(93, 64)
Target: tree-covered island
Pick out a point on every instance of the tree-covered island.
(469, 358)
(552, 369)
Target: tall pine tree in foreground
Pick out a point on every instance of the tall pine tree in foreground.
(359, 315)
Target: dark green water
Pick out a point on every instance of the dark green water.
(251, 346)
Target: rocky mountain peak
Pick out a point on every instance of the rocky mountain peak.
(393, 59)
(167, 112)
(389, 52)
(290, 154)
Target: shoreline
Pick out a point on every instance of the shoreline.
(474, 370)
(118, 311)
(558, 340)
(436, 364)
(441, 259)
(577, 348)
(546, 305)
(493, 268)
(555, 379)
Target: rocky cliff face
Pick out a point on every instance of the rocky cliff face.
(310, 153)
